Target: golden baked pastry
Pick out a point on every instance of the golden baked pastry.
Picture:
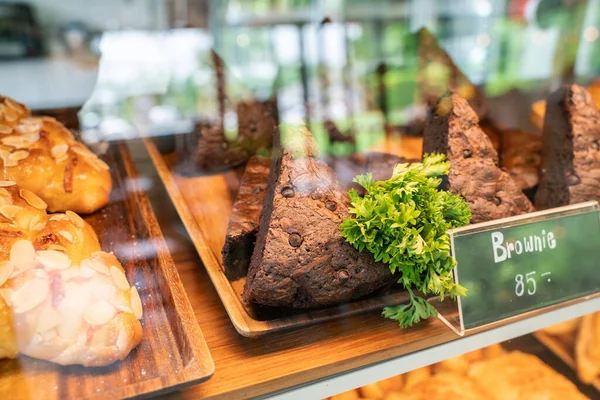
(349, 395)
(444, 386)
(61, 298)
(393, 384)
(40, 154)
(564, 328)
(522, 376)
(371, 391)
(587, 348)
(415, 376)
(459, 365)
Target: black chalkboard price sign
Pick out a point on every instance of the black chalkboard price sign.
(525, 263)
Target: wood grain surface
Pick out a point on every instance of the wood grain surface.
(173, 352)
(204, 203)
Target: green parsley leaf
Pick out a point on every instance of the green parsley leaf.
(403, 222)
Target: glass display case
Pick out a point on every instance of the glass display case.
(394, 199)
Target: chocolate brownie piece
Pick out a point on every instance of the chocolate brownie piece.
(208, 149)
(300, 259)
(212, 151)
(491, 193)
(243, 225)
(570, 149)
(381, 165)
(245, 216)
(437, 74)
(335, 135)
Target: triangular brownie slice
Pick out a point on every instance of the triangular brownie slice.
(437, 74)
(300, 259)
(491, 193)
(570, 149)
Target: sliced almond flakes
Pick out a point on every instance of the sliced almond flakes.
(59, 217)
(99, 313)
(10, 114)
(5, 129)
(32, 199)
(30, 295)
(27, 129)
(136, 303)
(6, 270)
(10, 211)
(67, 235)
(14, 105)
(97, 266)
(75, 219)
(57, 247)
(22, 254)
(119, 278)
(18, 155)
(59, 151)
(52, 259)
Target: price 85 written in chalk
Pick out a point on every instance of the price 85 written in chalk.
(523, 267)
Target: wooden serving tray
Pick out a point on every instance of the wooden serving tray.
(173, 352)
(564, 348)
(204, 204)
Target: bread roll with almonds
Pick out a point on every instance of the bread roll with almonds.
(41, 155)
(62, 299)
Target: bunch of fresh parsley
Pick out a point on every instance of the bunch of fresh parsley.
(403, 222)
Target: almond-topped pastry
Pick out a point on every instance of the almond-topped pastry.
(41, 155)
(62, 299)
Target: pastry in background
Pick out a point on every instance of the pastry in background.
(349, 395)
(564, 328)
(446, 386)
(570, 149)
(209, 148)
(459, 365)
(371, 391)
(518, 375)
(41, 155)
(587, 348)
(415, 376)
(491, 193)
(336, 136)
(62, 299)
(300, 259)
(438, 74)
(493, 351)
(393, 384)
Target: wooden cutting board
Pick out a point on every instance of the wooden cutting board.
(204, 204)
(173, 352)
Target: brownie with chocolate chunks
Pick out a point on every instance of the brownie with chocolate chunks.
(245, 215)
(452, 129)
(570, 149)
(300, 260)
